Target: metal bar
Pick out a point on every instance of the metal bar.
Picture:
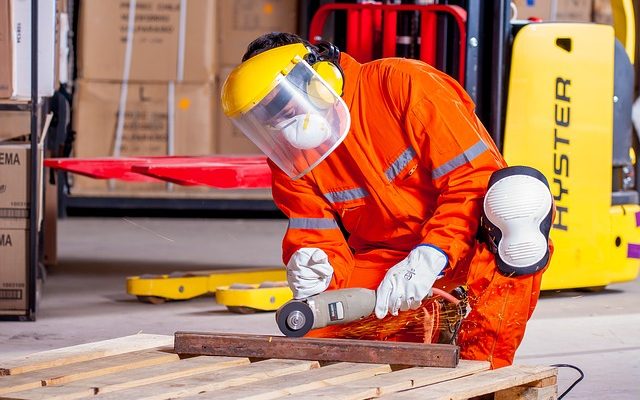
(502, 28)
(404, 39)
(427, 38)
(471, 69)
(353, 40)
(365, 34)
(33, 177)
(343, 350)
(76, 203)
(390, 24)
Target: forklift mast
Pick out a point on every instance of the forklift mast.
(486, 41)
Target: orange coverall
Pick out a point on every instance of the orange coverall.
(413, 169)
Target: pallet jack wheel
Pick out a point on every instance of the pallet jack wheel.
(152, 299)
(241, 310)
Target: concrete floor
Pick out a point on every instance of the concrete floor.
(84, 299)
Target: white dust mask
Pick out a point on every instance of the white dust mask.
(305, 131)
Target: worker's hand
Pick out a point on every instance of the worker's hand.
(407, 283)
(308, 272)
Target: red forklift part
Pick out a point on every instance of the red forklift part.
(390, 23)
(222, 172)
(367, 25)
(359, 40)
(222, 175)
(428, 48)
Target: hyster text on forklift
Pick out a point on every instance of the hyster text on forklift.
(561, 134)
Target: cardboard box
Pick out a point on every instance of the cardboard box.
(146, 128)
(5, 50)
(14, 251)
(14, 124)
(602, 13)
(242, 21)
(555, 10)
(534, 9)
(21, 47)
(170, 40)
(15, 163)
(229, 139)
(574, 10)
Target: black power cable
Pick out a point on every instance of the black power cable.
(575, 382)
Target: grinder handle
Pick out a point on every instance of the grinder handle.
(341, 306)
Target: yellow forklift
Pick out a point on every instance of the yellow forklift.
(568, 113)
(556, 96)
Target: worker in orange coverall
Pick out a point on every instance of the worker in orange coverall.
(382, 169)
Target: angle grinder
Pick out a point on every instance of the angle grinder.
(297, 317)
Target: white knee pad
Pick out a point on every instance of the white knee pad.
(517, 217)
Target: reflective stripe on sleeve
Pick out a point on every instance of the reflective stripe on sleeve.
(312, 223)
(461, 159)
(398, 165)
(345, 195)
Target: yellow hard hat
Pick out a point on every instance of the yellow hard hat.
(252, 80)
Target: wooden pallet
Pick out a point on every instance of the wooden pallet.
(146, 367)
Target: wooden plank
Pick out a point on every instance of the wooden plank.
(87, 369)
(479, 384)
(345, 350)
(302, 383)
(396, 381)
(208, 382)
(83, 352)
(131, 379)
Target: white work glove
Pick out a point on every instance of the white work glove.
(308, 272)
(407, 283)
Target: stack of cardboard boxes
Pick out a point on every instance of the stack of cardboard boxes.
(15, 128)
(149, 78)
(146, 73)
(240, 22)
(14, 227)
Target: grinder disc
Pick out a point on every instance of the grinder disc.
(295, 318)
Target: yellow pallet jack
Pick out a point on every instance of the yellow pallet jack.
(156, 289)
(248, 299)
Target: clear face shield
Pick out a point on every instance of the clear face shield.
(299, 122)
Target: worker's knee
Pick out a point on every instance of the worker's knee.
(516, 220)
